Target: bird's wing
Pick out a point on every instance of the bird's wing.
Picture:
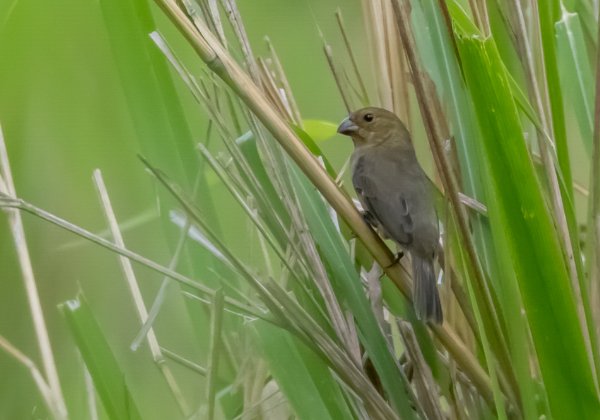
(389, 208)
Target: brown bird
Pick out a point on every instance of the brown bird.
(397, 197)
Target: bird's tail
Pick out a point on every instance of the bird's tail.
(425, 294)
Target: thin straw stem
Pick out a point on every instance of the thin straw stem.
(38, 378)
(35, 307)
(136, 293)
(220, 62)
(492, 322)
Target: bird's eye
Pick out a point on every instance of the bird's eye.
(368, 117)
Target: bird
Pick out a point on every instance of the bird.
(397, 197)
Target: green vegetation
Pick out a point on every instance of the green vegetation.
(228, 273)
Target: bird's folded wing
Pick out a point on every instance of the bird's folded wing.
(390, 209)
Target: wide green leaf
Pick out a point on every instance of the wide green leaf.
(348, 288)
(548, 12)
(303, 377)
(437, 51)
(576, 74)
(109, 379)
(517, 209)
(320, 130)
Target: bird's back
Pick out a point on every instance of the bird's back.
(393, 187)
(398, 197)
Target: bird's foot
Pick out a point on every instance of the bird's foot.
(397, 259)
(368, 218)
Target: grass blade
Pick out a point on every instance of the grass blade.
(594, 204)
(36, 375)
(518, 207)
(136, 293)
(7, 188)
(346, 283)
(216, 323)
(575, 73)
(154, 106)
(303, 377)
(108, 376)
(222, 64)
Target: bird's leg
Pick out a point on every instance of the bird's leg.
(397, 259)
(369, 218)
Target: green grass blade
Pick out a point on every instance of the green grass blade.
(248, 148)
(485, 344)
(576, 74)
(154, 106)
(516, 206)
(159, 121)
(437, 50)
(586, 11)
(312, 145)
(302, 376)
(577, 81)
(548, 15)
(348, 288)
(319, 130)
(106, 373)
(215, 349)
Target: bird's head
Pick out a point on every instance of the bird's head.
(373, 126)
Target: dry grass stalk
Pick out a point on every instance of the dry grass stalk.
(489, 315)
(238, 26)
(374, 18)
(293, 316)
(594, 205)
(209, 50)
(272, 91)
(425, 385)
(136, 294)
(291, 100)
(541, 102)
(340, 79)
(395, 63)
(364, 95)
(35, 307)
(36, 375)
(252, 310)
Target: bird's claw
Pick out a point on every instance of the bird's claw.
(368, 218)
(397, 259)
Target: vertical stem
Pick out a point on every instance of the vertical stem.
(554, 125)
(136, 293)
(216, 321)
(35, 306)
(489, 316)
(594, 205)
(37, 377)
(223, 65)
(350, 51)
(90, 391)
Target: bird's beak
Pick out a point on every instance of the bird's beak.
(347, 127)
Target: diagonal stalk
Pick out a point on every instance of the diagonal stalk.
(15, 221)
(219, 61)
(36, 375)
(489, 315)
(136, 293)
(594, 207)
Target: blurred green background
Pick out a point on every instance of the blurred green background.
(64, 113)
